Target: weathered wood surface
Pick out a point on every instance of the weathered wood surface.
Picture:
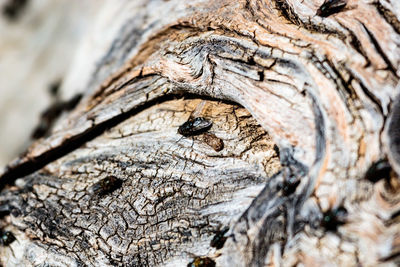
(323, 89)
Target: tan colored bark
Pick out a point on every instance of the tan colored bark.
(321, 88)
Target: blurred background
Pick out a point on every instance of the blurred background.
(48, 49)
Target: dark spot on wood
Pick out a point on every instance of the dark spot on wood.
(40, 130)
(50, 115)
(202, 262)
(261, 75)
(216, 143)
(54, 88)
(13, 9)
(290, 184)
(287, 12)
(4, 210)
(71, 103)
(6, 238)
(194, 126)
(219, 239)
(332, 219)
(276, 149)
(287, 64)
(330, 7)
(394, 257)
(251, 61)
(106, 185)
(15, 212)
(395, 215)
(378, 170)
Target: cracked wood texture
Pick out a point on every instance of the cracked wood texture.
(305, 106)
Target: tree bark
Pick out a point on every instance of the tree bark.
(307, 108)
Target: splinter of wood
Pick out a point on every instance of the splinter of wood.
(213, 141)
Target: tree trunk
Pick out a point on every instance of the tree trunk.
(299, 166)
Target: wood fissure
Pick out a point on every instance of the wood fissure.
(296, 106)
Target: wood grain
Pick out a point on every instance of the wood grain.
(323, 89)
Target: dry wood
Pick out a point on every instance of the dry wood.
(325, 90)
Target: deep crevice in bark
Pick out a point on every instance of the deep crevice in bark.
(388, 15)
(324, 81)
(289, 14)
(26, 168)
(379, 50)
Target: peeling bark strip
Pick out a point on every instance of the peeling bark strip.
(323, 89)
